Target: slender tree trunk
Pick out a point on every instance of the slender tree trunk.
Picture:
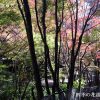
(28, 26)
(45, 44)
(56, 49)
(80, 74)
(70, 79)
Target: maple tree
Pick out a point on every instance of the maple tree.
(59, 35)
(77, 25)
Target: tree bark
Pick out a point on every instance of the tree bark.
(28, 26)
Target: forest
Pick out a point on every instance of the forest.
(49, 49)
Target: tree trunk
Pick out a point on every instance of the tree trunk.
(32, 50)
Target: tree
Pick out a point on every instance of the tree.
(78, 23)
